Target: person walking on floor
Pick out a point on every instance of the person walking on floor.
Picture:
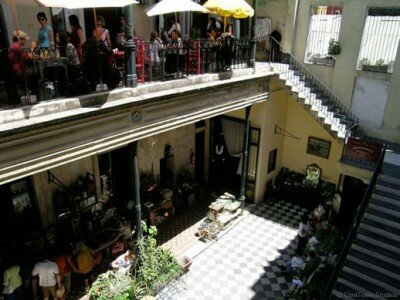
(49, 277)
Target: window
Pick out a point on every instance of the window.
(380, 40)
(324, 27)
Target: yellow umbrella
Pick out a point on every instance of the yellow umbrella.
(239, 9)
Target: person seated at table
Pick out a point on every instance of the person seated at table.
(101, 33)
(46, 34)
(120, 40)
(65, 47)
(20, 60)
(174, 55)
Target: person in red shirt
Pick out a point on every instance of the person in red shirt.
(20, 58)
(16, 53)
(66, 266)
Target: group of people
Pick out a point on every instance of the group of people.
(72, 46)
(304, 262)
(52, 273)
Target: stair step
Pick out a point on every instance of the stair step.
(346, 288)
(378, 228)
(386, 190)
(366, 281)
(378, 240)
(384, 201)
(375, 258)
(383, 212)
(388, 180)
(372, 270)
(378, 221)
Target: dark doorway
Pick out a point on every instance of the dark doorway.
(223, 166)
(120, 162)
(199, 161)
(19, 216)
(352, 194)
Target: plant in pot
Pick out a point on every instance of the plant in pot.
(334, 48)
(378, 66)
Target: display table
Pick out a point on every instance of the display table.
(166, 205)
(220, 214)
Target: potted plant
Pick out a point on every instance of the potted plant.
(378, 66)
(334, 48)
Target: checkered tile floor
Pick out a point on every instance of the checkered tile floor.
(243, 264)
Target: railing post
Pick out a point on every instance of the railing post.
(245, 155)
(252, 62)
(135, 188)
(130, 50)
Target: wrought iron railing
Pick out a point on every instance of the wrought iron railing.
(354, 227)
(32, 75)
(318, 95)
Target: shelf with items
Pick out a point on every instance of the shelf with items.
(220, 214)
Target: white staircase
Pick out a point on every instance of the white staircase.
(315, 98)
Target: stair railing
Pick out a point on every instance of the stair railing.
(354, 227)
(333, 109)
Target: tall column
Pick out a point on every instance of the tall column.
(245, 155)
(135, 187)
(130, 50)
(252, 62)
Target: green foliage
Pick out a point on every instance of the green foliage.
(334, 48)
(111, 286)
(156, 267)
(380, 62)
(329, 239)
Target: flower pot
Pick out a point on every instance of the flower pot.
(373, 68)
(324, 61)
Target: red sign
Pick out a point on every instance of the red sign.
(362, 150)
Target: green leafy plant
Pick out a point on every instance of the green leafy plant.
(334, 48)
(112, 286)
(156, 267)
(381, 63)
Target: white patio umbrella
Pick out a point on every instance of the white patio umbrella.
(174, 6)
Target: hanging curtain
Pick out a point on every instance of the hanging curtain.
(234, 135)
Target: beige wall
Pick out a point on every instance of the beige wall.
(27, 21)
(151, 150)
(302, 125)
(44, 190)
(342, 76)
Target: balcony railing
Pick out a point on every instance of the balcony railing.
(33, 75)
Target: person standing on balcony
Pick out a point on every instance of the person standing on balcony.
(175, 26)
(76, 38)
(46, 34)
(102, 33)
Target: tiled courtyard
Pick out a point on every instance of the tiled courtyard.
(243, 263)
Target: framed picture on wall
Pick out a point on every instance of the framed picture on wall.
(318, 147)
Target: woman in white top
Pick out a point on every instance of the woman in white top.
(101, 33)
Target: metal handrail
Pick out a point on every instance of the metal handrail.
(354, 228)
(325, 90)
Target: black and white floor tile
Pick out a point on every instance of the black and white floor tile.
(243, 264)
